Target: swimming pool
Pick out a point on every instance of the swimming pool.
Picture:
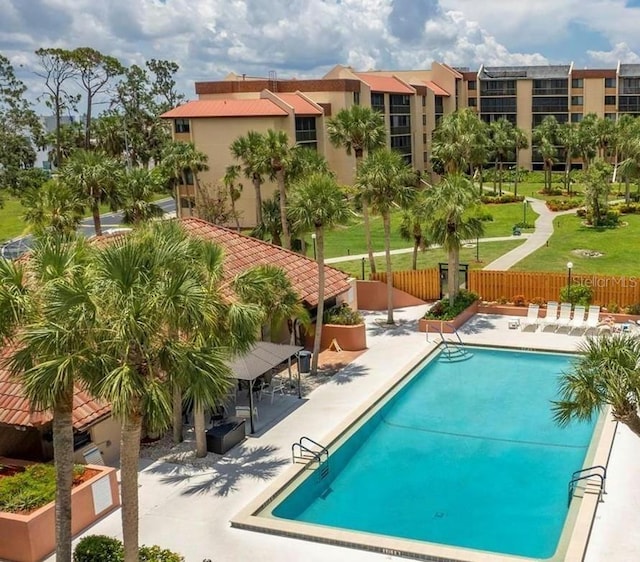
(463, 454)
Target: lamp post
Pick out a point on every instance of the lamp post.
(524, 207)
(477, 249)
(569, 268)
(313, 237)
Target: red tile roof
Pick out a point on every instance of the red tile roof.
(15, 409)
(380, 83)
(300, 105)
(225, 108)
(437, 90)
(242, 252)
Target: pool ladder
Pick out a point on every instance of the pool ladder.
(306, 450)
(587, 475)
(454, 350)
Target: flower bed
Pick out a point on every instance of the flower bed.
(444, 318)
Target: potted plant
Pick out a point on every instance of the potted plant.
(346, 327)
(445, 317)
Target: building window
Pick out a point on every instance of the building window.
(609, 100)
(577, 100)
(473, 102)
(185, 202)
(550, 104)
(424, 101)
(424, 120)
(498, 88)
(439, 105)
(399, 124)
(576, 117)
(181, 125)
(609, 82)
(188, 176)
(577, 83)
(377, 101)
(550, 87)
(424, 138)
(610, 116)
(356, 98)
(472, 85)
(399, 103)
(402, 144)
(306, 132)
(425, 157)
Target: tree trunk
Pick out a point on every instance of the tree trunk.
(414, 258)
(515, 178)
(87, 123)
(58, 132)
(286, 237)
(452, 276)
(630, 419)
(63, 460)
(199, 428)
(177, 414)
(184, 182)
(95, 212)
(500, 178)
(495, 179)
(235, 214)
(256, 187)
(627, 190)
(567, 169)
(386, 221)
(129, 458)
(367, 234)
(320, 310)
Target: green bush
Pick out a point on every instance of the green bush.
(633, 309)
(441, 310)
(500, 199)
(577, 294)
(564, 204)
(30, 489)
(343, 315)
(98, 548)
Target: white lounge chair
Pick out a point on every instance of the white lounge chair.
(551, 316)
(593, 319)
(577, 322)
(532, 317)
(565, 315)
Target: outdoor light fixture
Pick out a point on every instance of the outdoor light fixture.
(313, 237)
(569, 268)
(524, 223)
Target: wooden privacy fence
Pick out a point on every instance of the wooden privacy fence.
(423, 284)
(496, 285)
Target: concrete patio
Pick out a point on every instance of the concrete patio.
(187, 509)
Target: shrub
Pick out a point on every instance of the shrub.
(441, 310)
(624, 208)
(523, 225)
(484, 215)
(500, 199)
(503, 300)
(563, 204)
(98, 548)
(613, 308)
(577, 294)
(538, 300)
(633, 309)
(519, 300)
(343, 315)
(157, 554)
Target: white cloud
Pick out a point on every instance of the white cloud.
(620, 52)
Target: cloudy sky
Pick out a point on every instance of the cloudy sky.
(209, 38)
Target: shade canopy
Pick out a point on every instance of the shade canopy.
(260, 358)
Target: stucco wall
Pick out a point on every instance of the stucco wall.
(372, 295)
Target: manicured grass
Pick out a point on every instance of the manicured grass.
(11, 223)
(619, 246)
(489, 251)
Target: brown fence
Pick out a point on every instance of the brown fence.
(495, 285)
(423, 284)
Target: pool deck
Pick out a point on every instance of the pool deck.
(188, 509)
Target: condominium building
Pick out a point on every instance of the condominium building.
(412, 102)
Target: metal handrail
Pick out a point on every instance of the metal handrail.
(574, 481)
(590, 468)
(314, 454)
(322, 448)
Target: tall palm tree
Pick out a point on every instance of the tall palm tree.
(451, 207)
(606, 373)
(521, 142)
(359, 129)
(545, 138)
(271, 226)
(248, 149)
(626, 147)
(568, 137)
(138, 186)
(502, 146)
(148, 290)
(318, 203)
(45, 317)
(385, 182)
(587, 139)
(54, 206)
(234, 187)
(93, 176)
(182, 161)
(605, 130)
(413, 229)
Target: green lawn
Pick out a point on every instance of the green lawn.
(11, 223)
(619, 247)
(489, 251)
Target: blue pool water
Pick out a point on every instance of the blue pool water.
(466, 454)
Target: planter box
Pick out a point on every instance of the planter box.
(507, 310)
(349, 338)
(448, 326)
(31, 538)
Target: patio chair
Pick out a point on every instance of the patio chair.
(578, 321)
(551, 316)
(276, 384)
(244, 412)
(564, 318)
(532, 317)
(593, 319)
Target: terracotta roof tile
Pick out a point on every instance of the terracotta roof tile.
(225, 108)
(300, 105)
(380, 83)
(437, 90)
(242, 252)
(15, 408)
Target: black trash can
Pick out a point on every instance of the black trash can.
(225, 435)
(304, 361)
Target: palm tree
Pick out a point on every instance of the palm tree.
(230, 181)
(545, 137)
(606, 373)
(587, 139)
(358, 129)
(605, 130)
(413, 229)
(568, 137)
(138, 187)
(521, 142)
(93, 177)
(271, 226)
(248, 150)
(502, 145)
(627, 150)
(150, 286)
(54, 206)
(45, 317)
(451, 207)
(317, 203)
(385, 182)
(182, 162)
